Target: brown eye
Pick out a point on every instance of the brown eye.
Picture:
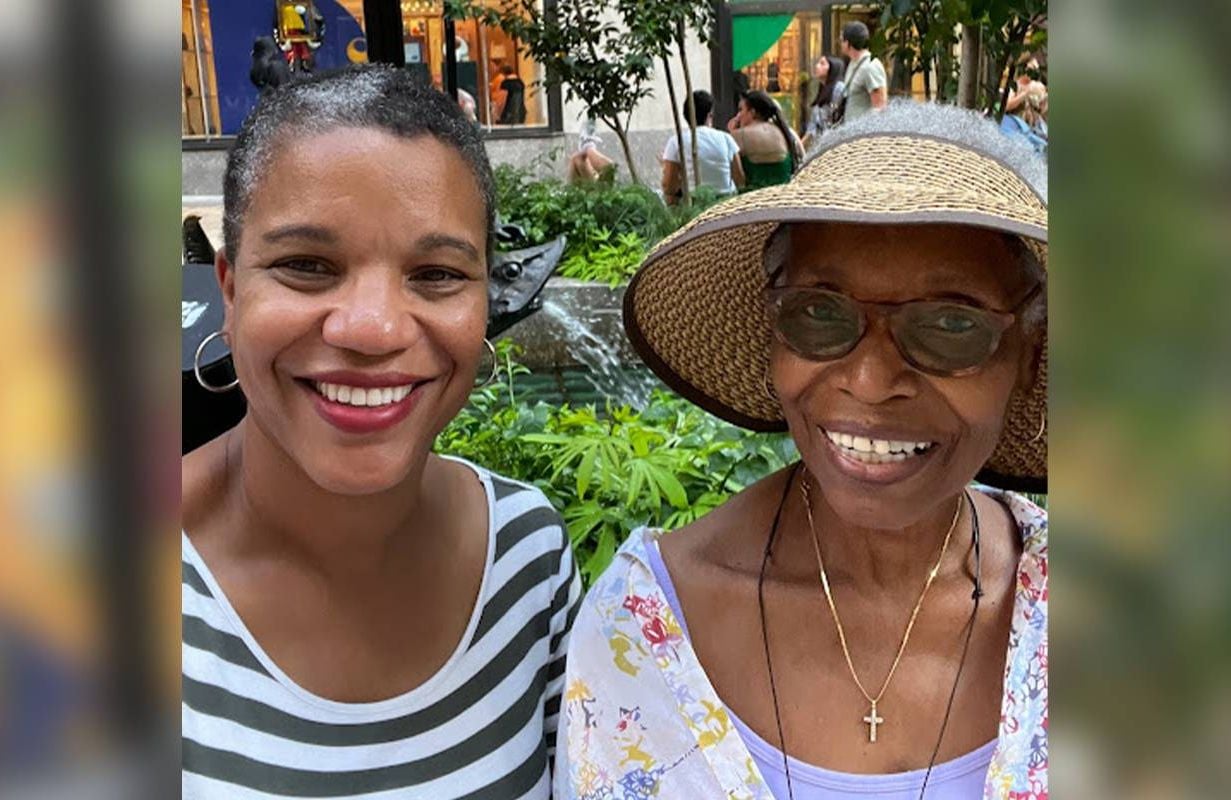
(304, 268)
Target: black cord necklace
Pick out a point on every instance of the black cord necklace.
(769, 664)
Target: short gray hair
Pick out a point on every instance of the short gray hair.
(363, 96)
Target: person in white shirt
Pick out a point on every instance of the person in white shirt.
(717, 154)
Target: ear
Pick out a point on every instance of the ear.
(224, 271)
(1031, 358)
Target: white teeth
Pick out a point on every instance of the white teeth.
(876, 451)
(358, 396)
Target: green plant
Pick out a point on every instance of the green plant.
(606, 258)
(599, 220)
(613, 469)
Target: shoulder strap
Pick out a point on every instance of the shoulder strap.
(851, 78)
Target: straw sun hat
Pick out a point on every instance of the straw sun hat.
(695, 312)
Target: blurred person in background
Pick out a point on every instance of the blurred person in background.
(769, 150)
(1028, 97)
(511, 107)
(866, 86)
(359, 615)
(829, 71)
(588, 163)
(872, 620)
(717, 153)
(1026, 109)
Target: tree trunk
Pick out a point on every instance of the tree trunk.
(622, 134)
(692, 112)
(1011, 53)
(686, 198)
(968, 74)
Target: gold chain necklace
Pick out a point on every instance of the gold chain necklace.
(872, 719)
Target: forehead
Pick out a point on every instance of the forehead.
(360, 178)
(903, 262)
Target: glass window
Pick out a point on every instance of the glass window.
(233, 48)
(198, 87)
(503, 80)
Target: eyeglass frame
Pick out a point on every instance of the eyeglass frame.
(775, 294)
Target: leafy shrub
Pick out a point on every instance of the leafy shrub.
(613, 469)
(599, 219)
(606, 259)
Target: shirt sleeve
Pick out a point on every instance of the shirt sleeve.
(876, 76)
(671, 152)
(731, 144)
(565, 603)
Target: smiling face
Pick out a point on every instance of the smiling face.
(885, 441)
(357, 305)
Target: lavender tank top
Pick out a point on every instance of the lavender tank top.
(959, 779)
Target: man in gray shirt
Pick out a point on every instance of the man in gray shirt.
(865, 75)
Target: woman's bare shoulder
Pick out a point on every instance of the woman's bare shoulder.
(202, 482)
(721, 536)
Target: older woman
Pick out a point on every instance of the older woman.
(362, 617)
(867, 621)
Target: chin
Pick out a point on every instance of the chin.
(355, 475)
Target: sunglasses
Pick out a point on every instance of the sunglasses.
(939, 337)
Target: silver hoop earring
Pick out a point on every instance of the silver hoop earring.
(491, 348)
(196, 367)
(1042, 427)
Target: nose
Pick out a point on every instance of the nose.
(374, 315)
(875, 372)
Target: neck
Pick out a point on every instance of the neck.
(890, 560)
(282, 511)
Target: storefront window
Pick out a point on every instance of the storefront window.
(495, 70)
(226, 41)
(199, 88)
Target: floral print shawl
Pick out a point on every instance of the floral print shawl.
(641, 719)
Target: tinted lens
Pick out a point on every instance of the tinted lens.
(818, 324)
(946, 337)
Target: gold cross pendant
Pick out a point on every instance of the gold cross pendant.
(873, 721)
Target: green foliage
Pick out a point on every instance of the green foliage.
(920, 33)
(606, 258)
(609, 226)
(613, 469)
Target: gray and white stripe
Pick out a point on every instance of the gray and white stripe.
(482, 727)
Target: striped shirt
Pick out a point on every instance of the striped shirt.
(482, 727)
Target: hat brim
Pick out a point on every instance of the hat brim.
(695, 311)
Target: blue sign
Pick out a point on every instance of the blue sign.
(236, 24)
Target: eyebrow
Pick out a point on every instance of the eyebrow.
(436, 241)
(315, 233)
